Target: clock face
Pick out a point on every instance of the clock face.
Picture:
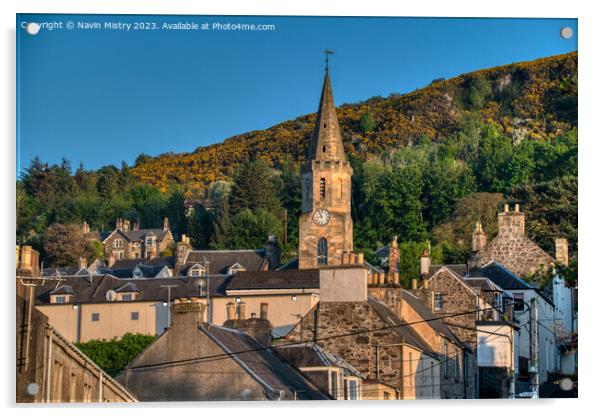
(321, 217)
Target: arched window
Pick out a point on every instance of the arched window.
(322, 251)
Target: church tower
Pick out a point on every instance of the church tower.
(325, 225)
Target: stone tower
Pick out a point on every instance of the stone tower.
(325, 225)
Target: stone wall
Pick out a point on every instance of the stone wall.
(512, 248)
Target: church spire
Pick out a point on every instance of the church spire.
(326, 141)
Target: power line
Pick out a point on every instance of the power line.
(330, 337)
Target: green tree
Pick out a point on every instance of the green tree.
(64, 245)
(367, 122)
(253, 187)
(477, 92)
(250, 229)
(114, 355)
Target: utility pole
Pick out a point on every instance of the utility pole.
(169, 303)
(534, 367)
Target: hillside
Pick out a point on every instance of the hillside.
(535, 100)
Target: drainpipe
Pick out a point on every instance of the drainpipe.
(49, 366)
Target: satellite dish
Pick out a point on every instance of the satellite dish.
(111, 295)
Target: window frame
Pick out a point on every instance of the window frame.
(134, 316)
(438, 301)
(322, 251)
(95, 316)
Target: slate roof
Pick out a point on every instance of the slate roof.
(460, 269)
(169, 261)
(426, 314)
(312, 355)
(404, 331)
(501, 276)
(482, 283)
(63, 290)
(221, 260)
(93, 289)
(284, 279)
(264, 365)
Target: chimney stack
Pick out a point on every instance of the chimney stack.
(242, 310)
(187, 314)
(263, 311)
(511, 223)
(479, 238)
(165, 224)
(85, 228)
(82, 263)
(230, 311)
(393, 256)
(272, 252)
(562, 251)
(425, 263)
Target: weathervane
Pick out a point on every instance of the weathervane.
(326, 53)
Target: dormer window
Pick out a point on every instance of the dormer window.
(196, 271)
(236, 268)
(149, 241)
(126, 296)
(60, 299)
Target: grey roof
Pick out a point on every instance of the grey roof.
(426, 314)
(221, 260)
(459, 269)
(93, 289)
(501, 276)
(128, 287)
(284, 279)
(482, 283)
(312, 355)
(63, 290)
(400, 327)
(264, 365)
(60, 271)
(139, 235)
(168, 261)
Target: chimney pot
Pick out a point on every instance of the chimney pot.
(414, 284)
(241, 311)
(396, 279)
(263, 310)
(516, 208)
(506, 208)
(230, 310)
(360, 258)
(425, 283)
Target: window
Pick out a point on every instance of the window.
(322, 188)
(126, 296)
(95, 317)
(519, 302)
(341, 184)
(386, 395)
(118, 243)
(149, 241)
(457, 366)
(438, 301)
(60, 299)
(334, 384)
(134, 316)
(322, 251)
(351, 390)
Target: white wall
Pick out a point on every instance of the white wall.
(495, 345)
(549, 356)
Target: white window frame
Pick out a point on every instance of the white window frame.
(439, 301)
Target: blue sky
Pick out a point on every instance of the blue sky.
(105, 96)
